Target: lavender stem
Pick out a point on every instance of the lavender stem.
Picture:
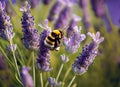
(41, 79)
(72, 80)
(13, 53)
(33, 68)
(61, 67)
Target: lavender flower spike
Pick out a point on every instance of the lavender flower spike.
(64, 15)
(26, 78)
(55, 10)
(43, 61)
(73, 23)
(73, 43)
(89, 52)
(6, 29)
(31, 36)
(53, 83)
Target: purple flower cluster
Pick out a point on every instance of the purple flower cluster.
(6, 29)
(63, 19)
(98, 7)
(55, 10)
(89, 52)
(73, 43)
(31, 36)
(72, 24)
(43, 61)
(86, 19)
(26, 78)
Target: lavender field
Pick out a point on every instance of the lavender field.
(59, 43)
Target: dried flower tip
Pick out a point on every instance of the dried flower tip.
(26, 78)
(64, 58)
(53, 82)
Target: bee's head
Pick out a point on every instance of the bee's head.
(62, 33)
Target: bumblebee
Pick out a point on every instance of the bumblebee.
(53, 41)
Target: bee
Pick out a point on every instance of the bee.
(53, 41)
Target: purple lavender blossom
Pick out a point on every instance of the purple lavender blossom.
(53, 82)
(43, 61)
(26, 78)
(6, 29)
(98, 7)
(63, 19)
(73, 23)
(73, 43)
(88, 54)
(86, 19)
(55, 10)
(46, 2)
(31, 36)
(113, 9)
(34, 3)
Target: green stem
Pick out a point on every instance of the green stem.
(72, 80)
(21, 55)
(33, 69)
(66, 74)
(13, 53)
(46, 84)
(41, 79)
(61, 67)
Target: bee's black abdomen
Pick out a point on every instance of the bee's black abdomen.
(51, 39)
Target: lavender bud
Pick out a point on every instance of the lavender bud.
(26, 78)
(98, 7)
(72, 24)
(6, 29)
(73, 43)
(88, 54)
(53, 82)
(64, 58)
(30, 34)
(55, 10)
(12, 47)
(43, 61)
(46, 2)
(63, 19)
